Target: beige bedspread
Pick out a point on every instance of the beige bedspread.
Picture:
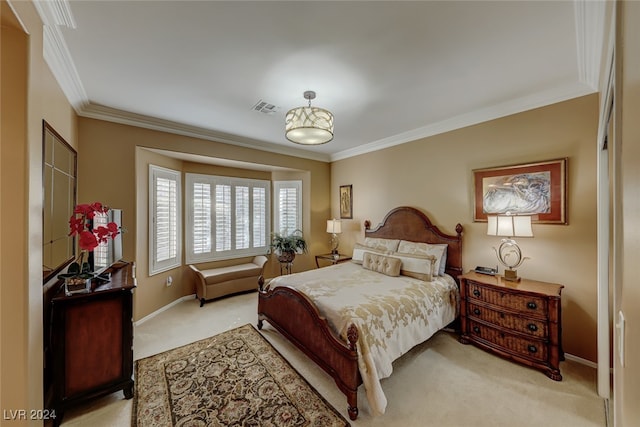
(393, 314)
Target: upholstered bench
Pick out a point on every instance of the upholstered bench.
(222, 281)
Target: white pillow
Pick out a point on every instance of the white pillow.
(437, 250)
(417, 266)
(359, 250)
(390, 245)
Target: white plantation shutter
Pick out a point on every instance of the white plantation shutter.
(238, 217)
(288, 206)
(201, 218)
(223, 218)
(243, 237)
(260, 230)
(165, 220)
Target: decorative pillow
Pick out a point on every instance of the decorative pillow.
(382, 264)
(417, 266)
(437, 250)
(390, 245)
(359, 250)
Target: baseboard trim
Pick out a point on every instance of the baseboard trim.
(161, 309)
(581, 360)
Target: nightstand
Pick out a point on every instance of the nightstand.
(520, 321)
(332, 258)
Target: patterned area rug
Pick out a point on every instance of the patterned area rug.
(234, 378)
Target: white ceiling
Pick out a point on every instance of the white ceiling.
(390, 71)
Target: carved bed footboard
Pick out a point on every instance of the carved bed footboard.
(297, 318)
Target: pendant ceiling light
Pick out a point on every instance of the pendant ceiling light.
(309, 125)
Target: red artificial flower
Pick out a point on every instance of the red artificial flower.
(113, 229)
(76, 225)
(87, 240)
(80, 225)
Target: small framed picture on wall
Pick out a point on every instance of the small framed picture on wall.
(346, 202)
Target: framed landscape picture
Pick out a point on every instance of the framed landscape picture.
(346, 202)
(537, 189)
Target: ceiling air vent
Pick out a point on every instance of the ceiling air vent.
(264, 107)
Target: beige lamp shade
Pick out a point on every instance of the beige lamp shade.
(334, 226)
(509, 225)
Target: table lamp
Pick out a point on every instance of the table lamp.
(509, 253)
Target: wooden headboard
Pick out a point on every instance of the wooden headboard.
(407, 223)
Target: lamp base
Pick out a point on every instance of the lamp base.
(511, 275)
(334, 243)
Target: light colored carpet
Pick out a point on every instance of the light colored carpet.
(439, 383)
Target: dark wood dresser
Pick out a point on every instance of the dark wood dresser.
(91, 342)
(520, 321)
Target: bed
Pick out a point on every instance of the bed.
(295, 307)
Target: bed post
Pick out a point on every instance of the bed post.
(352, 395)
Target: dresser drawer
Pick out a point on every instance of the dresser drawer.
(531, 305)
(533, 327)
(530, 348)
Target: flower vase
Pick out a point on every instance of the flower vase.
(76, 285)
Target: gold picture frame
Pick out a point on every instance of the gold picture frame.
(537, 189)
(346, 202)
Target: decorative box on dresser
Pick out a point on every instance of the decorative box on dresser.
(520, 321)
(91, 342)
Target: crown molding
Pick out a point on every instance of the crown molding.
(114, 115)
(57, 56)
(55, 14)
(590, 26)
(479, 116)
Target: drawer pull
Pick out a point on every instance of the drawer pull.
(476, 292)
(532, 327)
(476, 311)
(476, 329)
(532, 305)
(532, 348)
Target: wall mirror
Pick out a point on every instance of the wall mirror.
(59, 199)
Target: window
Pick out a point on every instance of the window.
(288, 206)
(165, 222)
(226, 217)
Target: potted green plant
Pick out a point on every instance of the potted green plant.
(287, 246)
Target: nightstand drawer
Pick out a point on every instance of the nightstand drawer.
(532, 349)
(532, 305)
(536, 328)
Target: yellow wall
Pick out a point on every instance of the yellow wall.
(126, 149)
(435, 175)
(29, 95)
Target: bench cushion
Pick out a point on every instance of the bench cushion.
(223, 274)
